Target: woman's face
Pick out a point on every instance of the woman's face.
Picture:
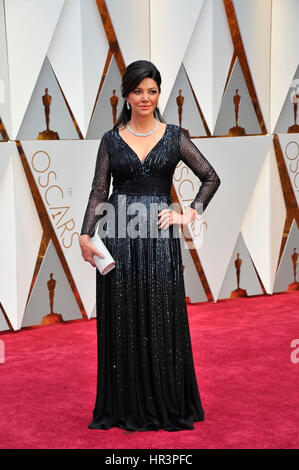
(144, 98)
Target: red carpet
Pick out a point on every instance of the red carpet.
(248, 383)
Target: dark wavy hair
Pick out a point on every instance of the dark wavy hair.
(134, 73)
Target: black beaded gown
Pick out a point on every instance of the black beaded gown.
(146, 376)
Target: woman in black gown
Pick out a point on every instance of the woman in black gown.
(146, 377)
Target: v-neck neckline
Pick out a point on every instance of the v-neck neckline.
(142, 162)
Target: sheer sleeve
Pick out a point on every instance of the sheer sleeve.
(99, 188)
(195, 160)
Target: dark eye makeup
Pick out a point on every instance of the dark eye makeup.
(151, 91)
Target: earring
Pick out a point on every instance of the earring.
(128, 105)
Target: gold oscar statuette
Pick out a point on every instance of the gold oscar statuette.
(47, 134)
(52, 317)
(238, 292)
(237, 130)
(114, 103)
(295, 127)
(295, 284)
(180, 101)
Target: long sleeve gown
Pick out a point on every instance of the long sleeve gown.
(146, 378)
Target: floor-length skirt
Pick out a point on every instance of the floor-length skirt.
(146, 377)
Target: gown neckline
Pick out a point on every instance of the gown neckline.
(142, 162)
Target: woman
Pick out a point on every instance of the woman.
(146, 376)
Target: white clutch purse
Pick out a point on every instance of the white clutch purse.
(107, 263)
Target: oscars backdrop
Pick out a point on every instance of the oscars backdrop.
(230, 79)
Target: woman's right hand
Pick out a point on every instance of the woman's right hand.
(88, 250)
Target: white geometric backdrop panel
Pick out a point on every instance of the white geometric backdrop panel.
(235, 64)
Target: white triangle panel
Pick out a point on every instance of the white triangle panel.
(248, 279)
(131, 24)
(102, 118)
(238, 162)
(284, 53)
(289, 115)
(254, 20)
(191, 118)
(288, 270)
(263, 224)
(256, 226)
(60, 119)
(77, 54)
(278, 215)
(21, 234)
(65, 196)
(95, 48)
(64, 302)
(247, 117)
(208, 58)
(28, 234)
(171, 26)
(30, 27)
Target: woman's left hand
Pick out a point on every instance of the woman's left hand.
(169, 217)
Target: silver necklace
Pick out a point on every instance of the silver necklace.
(146, 133)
